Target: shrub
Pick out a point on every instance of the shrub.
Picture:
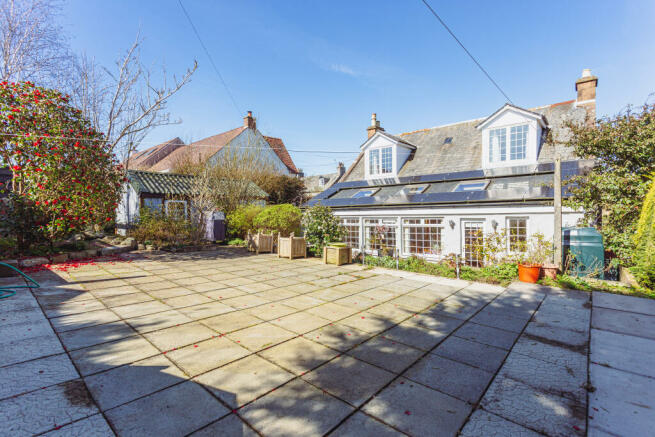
(165, 231)
(240, 221)
(237, 242)
(644, 257)
(284, 189)
(284, 219)
(321, 227)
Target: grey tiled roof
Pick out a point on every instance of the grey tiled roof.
(463, 152)
(174, 184)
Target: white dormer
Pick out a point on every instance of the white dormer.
(384, 154)
(511, 136)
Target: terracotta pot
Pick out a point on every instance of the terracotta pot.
(529, 273)
(549, 271)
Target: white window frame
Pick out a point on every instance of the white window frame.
(364, 235)
(507, 158)
(378, 169)
(527, 230)
(184, 202)
(405, 250)
(463, 223)
(354, 221)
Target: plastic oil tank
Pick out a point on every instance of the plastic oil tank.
(583, 251)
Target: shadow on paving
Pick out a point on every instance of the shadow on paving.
(417, 362)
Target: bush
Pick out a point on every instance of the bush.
(284, 189)
(237, 242)
(644, 257)
(240, 221)
(165, 231)
(321, 228)
(284, 219)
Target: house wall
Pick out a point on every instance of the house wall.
(539, 219)
(251, 141)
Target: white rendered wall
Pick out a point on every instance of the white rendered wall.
(128, 207)
(539, 219)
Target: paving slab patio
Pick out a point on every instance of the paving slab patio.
(230, 343)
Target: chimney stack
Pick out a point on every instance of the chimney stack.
(341, 169)
(250, 121)
(586, 88)
(374, 127)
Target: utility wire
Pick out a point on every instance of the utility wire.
(218, 73)
(466, 50)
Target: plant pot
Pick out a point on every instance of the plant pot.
(549, 271)
(529, 273)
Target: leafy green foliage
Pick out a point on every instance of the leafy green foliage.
(241, 220)
(165, 231)
(502, 274)
(284, 219)
(59, 162)
(644, 269)
(611, 194)
(590, 284)
(284, 189)
(237, 242)
(321, 227)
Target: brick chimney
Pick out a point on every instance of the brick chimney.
(374, 127)
(341, 169)
(250, 121)
(586, 88)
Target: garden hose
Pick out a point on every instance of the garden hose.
(8, 291)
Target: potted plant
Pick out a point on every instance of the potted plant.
(537, 251)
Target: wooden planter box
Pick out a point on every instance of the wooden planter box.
(260, 243)
(337, 255)
(291, 247)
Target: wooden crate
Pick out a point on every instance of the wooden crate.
(291, 247)
(260, 243)
(337, 255)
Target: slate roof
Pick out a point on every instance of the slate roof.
(463, 151)
(198, 151)
(281, 151)
(173, 184)
(529, 183)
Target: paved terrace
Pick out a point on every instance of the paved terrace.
(223, 343)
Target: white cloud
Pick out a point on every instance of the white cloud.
(342, 68)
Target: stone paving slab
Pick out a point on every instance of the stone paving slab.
(299, 355)
(623, 352)
(297, 408)
(386, 353)
(624, 303)
(108, 355)
(32, 375)
(93, 426)
(175, 411)
(622, 404)
(485, 357)
(81, 338)
(359, 424)
(230, 426)
(417, 410)
(623, 322)
(487, 335)
(484, 424)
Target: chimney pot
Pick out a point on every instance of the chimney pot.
(249, 121)
(586, 88)
(374, 127)
(341, 169)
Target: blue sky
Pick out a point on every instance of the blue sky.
(313, 72)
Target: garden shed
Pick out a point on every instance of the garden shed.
(170, 194)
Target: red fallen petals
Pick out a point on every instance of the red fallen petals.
(407, 412)
(576, 428)
(195, 345)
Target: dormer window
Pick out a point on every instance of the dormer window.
(380, 161)
(511, 136)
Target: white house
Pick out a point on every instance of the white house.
(430, 192)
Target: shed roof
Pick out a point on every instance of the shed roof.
(174, 184)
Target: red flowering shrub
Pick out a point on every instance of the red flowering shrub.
(60, 164)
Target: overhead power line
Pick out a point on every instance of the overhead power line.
(466, 50)
(211, 60)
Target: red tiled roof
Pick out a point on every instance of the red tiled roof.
(281, 151)
(198, 151)
(144, 159)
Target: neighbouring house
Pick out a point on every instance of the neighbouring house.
(166, 156)
(171, 194)
(438, 191)
(316, 184)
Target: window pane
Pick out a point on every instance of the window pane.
(497, 145)
(387, 161)
(473, 243)
(422, 236)
(518, 142)
(380, 234)
(518, 232)
(351, 226)
(374, 161)
(153, 204)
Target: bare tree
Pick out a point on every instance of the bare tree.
(32, 46)
(126, 103)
